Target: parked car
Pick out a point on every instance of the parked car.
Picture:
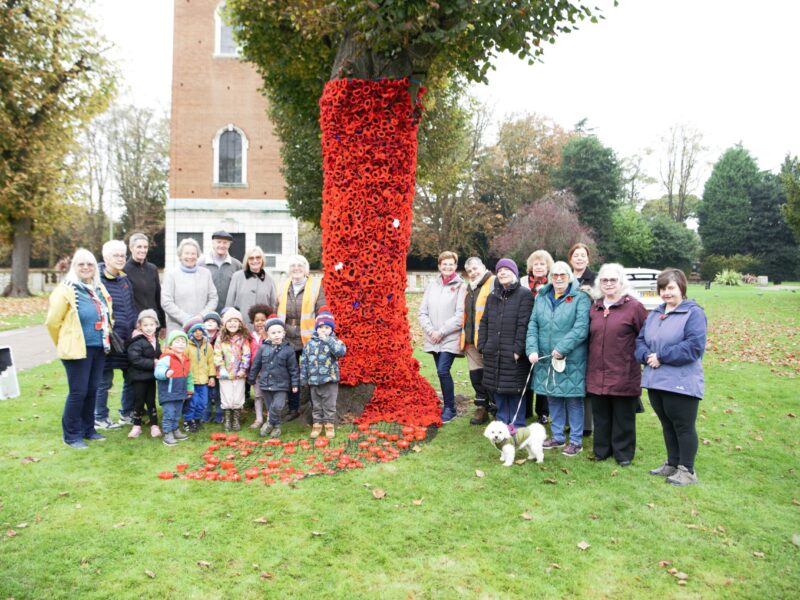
(643, 282)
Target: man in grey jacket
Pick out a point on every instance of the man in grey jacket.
(221, 265)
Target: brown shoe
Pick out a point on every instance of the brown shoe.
(316, 430)
(481, 416)
(329, 430)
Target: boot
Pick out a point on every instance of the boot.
(316, 430)
(330, 431)
(228, 417)
(179, 435)
(276, 432)
(191, 426)
(169, 439)
(481, 416)
(266, 429)
(135, 431)
(237, 426)
(155, 431)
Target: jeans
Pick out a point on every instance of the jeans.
(506, 407)
(101, 402)
(678, 416)
(561, 410)
(194, 406)
(274, 403)
(83, 378)
(213, 406)
(444, 361)
(170, 415)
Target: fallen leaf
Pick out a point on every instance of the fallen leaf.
(650, 505)
(681, 582)
(265, 575)
(550, 481)
(21, 525)
(203, 564)
(706, 442)
(791, 415)
(728, 411)
(555, 565)
(681, 575)
(11, 533)
(479, 473)
(583, 545)
(692, 526)
(758, 554)
(521, 461)
(28, 460)
(664, 563)
(84, 562)
(150, 574)
(202, 534)
(527, 516)
(796, 539)
(62, 494)
(317, 533)
(614, 473)
(417, 502)
(378, 494)
(118, 525)
(695, 513)
(672, 571)
(739, 448)
(594, 517)
(565, 470)
(721, 529)
(416, 448)
(78, 505)
(260, 521)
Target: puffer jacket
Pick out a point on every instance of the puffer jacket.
(442, 309)
(201, 357)
(178, 386)
(319, 362)
(125, 314)
(679, 340)
(142, 357)
(561, 325)
(501, 335)
(231, 356)
(274, 367)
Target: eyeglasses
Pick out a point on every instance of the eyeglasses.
(83, 265)
(118, 256)
(560, 276)
(609, 280)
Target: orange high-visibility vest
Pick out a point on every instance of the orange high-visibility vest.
(480, 306)
(307, 315)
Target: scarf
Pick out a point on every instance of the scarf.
(260, 275)
(102, 315)
(188, 269)
(536, 282)
(449, 278)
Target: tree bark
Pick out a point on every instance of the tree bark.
(20, 259)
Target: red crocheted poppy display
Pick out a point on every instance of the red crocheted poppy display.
(369, 145)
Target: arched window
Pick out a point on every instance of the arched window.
(224, 42)
(230, 156)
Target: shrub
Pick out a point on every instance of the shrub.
(728, 277)
(714, 263)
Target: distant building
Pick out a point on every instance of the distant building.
(224, 157)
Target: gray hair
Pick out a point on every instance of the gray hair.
(188, 242)
(82, 255)
(561, 267)
(136, 237)
(473, 260)
(299, 259)
(619, 271)
(111, 246)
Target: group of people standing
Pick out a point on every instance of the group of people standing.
(576, 340)
(224, 327)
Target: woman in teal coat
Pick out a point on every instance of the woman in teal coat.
(556, 344)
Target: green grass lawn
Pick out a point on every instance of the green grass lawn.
(99, 523)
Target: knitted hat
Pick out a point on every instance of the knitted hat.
(193, 325)
(324, 317)
(212, 315)
(231, 313)
(507, 263)
(175, 335)
(273, 319)
(148, 313)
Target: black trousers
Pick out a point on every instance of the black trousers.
(144, 399)
(678, 416)
(614, 426)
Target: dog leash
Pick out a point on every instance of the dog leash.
(511, 427)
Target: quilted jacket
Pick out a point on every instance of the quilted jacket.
(319, 362)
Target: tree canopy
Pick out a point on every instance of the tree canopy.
(790, 178)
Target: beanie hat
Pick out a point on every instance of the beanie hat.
(175, 335)
(212, 315)
(324, 317)
(231, 313)
(148, 313)
(273, 319)
(193, 325)
(507, 263)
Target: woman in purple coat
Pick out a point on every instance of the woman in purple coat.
(613, 376)
(671, 346)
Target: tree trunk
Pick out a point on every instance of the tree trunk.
(20, 259)
(369, 146)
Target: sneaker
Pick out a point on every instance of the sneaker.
(572, 450)
(96, 437)
(169, 439)
(256, 424)
(125, 420)
(135, 431)
(665, 470)
(155, 431)
(179, 435)
(276, 432)
(549, 444)
(266, 429)
(330, 431)
(448, 414)
(316, 430)
(682, 477)
(106, 424)
(77, 445)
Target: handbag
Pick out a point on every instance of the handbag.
(117, 345)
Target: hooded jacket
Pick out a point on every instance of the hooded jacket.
(319, 362)
(142, 357)
(679, 340)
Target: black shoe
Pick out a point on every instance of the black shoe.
(191, 427)
(624, 463)
(587, 433)
(292, 415)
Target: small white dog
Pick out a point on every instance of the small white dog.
(528, 438)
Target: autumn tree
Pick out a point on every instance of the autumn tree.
(365, 63)
(53, 79)
(680, 168)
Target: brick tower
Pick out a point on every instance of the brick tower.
(224, 158)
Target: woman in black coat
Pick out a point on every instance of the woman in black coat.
(501, 340)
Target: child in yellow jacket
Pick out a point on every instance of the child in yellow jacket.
(201, 357)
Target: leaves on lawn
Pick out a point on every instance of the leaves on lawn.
(317, 533)
(203, 564)
(378, 494)
(29, 459)
(479, 473)
(118, 525)
(265, 575)
(527, 516)
(63, 494)
(550, 481)
(417, 502)
(796, 539)
(150, 573)
(11, 533)
(791, 415)
(664, 563)
(583, 545)
(758, 554)
(261, 520)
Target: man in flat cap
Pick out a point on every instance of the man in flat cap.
(221, 264)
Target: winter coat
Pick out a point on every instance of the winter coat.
(221, 277)
(146, 287)
(319, 362)
(561, 325)
(231, 356)
(501, 335)
(247, 289)
(442, 310)
(178, 386)
(275, 367)
(679, 340)
(64, 324)
(186, 295)
(587, 279)
(125, 314)
(612, 368)
(142, 357)
(294, 312)
(201, 357)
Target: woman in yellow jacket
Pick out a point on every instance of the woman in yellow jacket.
(79, 321)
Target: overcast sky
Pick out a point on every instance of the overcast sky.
(726, 67)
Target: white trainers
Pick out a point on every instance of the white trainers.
(682, 477)
(106, 424)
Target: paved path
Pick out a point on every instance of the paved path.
(30, 347)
